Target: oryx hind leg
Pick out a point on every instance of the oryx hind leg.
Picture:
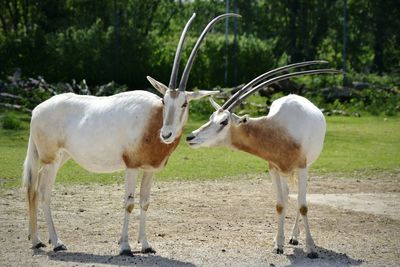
(303, 209)
(47, 175)
(295, 230)
(33, 200)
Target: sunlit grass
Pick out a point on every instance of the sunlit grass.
(367, 144)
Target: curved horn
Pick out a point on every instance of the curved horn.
(175, 66)
(214, 104)
(267, 75)
(277, 79)
(189, 64)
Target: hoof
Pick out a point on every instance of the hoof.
(148, 251)
(293, 242)
(279, 251)
(39, 245)
(312, 255)
(126, 252)
(60, 248)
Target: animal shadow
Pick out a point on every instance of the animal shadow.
(326, 258)
(136, 260)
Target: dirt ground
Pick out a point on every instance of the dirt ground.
(230, 222)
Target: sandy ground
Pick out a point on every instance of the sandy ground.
(230, 222)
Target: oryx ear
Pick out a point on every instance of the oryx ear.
(236, 119)
(199, 94)
(214, 104)
(162, 88)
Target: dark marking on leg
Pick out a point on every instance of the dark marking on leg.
(303, 210)
(293, 242)
(279, 208)
(279, 251)
(148, 251)
(146, 207)
(130, 207)
(60, 248)
(39, 245)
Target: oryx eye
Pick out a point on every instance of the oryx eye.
(185, 104)
(224, 122)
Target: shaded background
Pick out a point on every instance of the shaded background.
(123, 41)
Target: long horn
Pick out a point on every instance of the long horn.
(175, 66)
(277, 79)
(267, 75)
(189, 64)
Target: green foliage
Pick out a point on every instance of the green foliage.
(383, 81)
(82, 52)
(368, 93)
(252, 56)
(10, 121)
(124, 41)
(377, 101)
(201, 109)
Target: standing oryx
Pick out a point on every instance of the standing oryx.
(135, 131)
(290, 138)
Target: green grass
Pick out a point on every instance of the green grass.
(361, 144)
(369, 144)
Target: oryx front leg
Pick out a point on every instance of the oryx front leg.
(145, 187)
(130, 185)
(281, 189)
(303, 209)
(47, 175)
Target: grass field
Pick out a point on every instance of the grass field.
(366, 144)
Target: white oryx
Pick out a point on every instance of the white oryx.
(133, 131)
(290, 138)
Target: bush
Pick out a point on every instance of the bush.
(81, 53)
(11, 122)
(200, 109)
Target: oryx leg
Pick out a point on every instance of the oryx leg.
(281, 188)
(303, 209)
(47, 175)
(33, 199)
(295, 231)
(130, 185)
(145, 187)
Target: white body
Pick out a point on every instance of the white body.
(290, 138)
(304, 122)
(94, 131)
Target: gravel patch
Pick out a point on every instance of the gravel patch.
(230, 222)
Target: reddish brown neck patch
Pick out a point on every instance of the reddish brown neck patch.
(151, 151)
(266, 139)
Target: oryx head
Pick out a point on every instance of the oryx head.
(217, 130)
(176, 99)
